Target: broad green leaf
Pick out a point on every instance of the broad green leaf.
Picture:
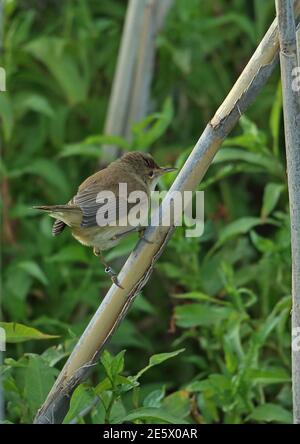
(91, 146)
(269, 163)
(239, 226)
(145, 136)
(269, 376)
(263, 244)
(198, 296)
(70, 253)
(195, 315)
(33, 102)
(34, 270)
(154, 398)
(178, 404)
(52, 52)
(158, 359)
(149, 414)
(21, 333)
(51, 173)
(271, 196)
(16, 289)
(271, 413)
(54, 354)
(108, 139)
(113, 365)
(82, 398)
(39, 378)
(78, 149)
(198, 386)
(121, 382)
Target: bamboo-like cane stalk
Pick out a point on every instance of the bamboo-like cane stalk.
(291, 111)
(154, 15)
(129, 101)
(139, 265)
(120, 94)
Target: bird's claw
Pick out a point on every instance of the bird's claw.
(113, 276)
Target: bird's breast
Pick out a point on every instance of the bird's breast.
(103, 238)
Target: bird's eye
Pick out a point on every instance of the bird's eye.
(151, 174)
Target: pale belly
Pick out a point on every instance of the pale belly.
(102, 238)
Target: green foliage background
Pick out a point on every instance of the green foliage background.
(215, 315)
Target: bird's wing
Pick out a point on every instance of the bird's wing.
(99, 202)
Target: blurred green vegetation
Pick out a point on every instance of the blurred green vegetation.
(224, 298)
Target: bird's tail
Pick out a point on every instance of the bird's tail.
(69, 214)
(56, 208)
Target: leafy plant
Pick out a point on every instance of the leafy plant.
(224, 297)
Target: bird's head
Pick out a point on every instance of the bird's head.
(143, 165)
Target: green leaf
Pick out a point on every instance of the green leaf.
(114, 365)
(195, 315)
(178, 404)
(80, 149)
(145, 136)
(239, 226)
(108, 139)
(39, 378)
(91, 146)
(268, 163)
(33, 102)
(20, 333)
(271, 196)
(149, 414)
(52, 52)
(269, 376)
(34, 270)
(271, 413)
(158, 359)
(121, 382)
(82, 397)
(198, 296)
(51, 173)
(154, 398)
(263, 244)
(70, 253)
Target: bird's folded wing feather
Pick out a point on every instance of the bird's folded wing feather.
(97, 206)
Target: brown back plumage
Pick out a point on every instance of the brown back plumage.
(137, 166)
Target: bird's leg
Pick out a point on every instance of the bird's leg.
(108, 269)
(142, 235)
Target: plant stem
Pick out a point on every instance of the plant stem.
(291, 111)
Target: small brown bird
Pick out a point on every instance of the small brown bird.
(138, 171)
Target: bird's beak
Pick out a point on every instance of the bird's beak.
(166, 170)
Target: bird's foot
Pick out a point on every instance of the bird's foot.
(108, 269)
(114, 277)
(142, 236)
(96, 251)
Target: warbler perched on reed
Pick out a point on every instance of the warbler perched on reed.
(138, 171)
